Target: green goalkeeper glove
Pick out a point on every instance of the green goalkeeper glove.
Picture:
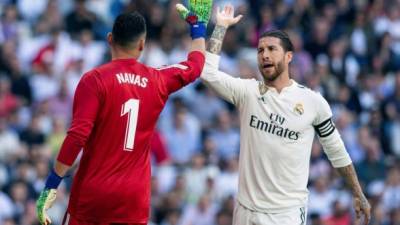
(198, 15)
(44, 202)
(47, 198)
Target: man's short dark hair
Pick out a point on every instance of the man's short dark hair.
(286, 43)
(128, 27)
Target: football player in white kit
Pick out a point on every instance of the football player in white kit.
(278, 122)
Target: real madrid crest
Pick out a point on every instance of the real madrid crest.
(299, 109)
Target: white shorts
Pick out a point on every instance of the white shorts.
(244, 216)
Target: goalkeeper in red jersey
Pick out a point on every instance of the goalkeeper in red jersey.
(115, 110)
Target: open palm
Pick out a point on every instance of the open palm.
(226, 17)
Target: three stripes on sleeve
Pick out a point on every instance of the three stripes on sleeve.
(325, 128)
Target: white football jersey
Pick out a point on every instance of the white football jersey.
(277, 131)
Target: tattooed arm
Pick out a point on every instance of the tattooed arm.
(337, 154)
(215, 44)
(225, 19)
(230, 88)
(361, 204)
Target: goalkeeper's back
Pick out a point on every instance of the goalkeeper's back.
(115, 110)
(120, 102)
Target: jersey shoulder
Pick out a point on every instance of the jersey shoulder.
(125, 66)
(106, 67)
(319, 103)
(309, 93)
(251, 82)
(90, 76)
(313, 99)
(304, 89)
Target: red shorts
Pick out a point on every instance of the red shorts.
(69, 220)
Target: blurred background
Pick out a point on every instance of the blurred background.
(349, 50)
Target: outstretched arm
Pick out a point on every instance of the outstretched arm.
(197, 16)
(174, 77)
(215, 43)
(225, 19)
(199, 45)
(230, 88)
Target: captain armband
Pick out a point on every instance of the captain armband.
(325, 128)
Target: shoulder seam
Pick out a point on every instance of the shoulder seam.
(301, 86)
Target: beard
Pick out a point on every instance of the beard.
(269, 77)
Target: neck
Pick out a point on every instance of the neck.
(280, 82)
(120, 53)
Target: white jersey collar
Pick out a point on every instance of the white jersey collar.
(264, 88)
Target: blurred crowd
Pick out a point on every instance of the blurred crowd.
(349, 50)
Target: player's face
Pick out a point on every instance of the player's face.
(272, 58)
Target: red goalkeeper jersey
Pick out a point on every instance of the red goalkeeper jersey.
(115, 110)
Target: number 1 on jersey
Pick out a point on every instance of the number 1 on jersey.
(130, 107)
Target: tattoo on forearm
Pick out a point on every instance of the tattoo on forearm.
(350, 176)
(364, 202)
(215, 44)
(361, 202)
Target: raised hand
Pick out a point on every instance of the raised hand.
(199, 11)
(226, 17)
(197, 16)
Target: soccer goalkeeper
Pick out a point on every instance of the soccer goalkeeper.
(115, 110)
(278, 121)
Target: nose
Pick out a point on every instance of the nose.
(265, 55)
